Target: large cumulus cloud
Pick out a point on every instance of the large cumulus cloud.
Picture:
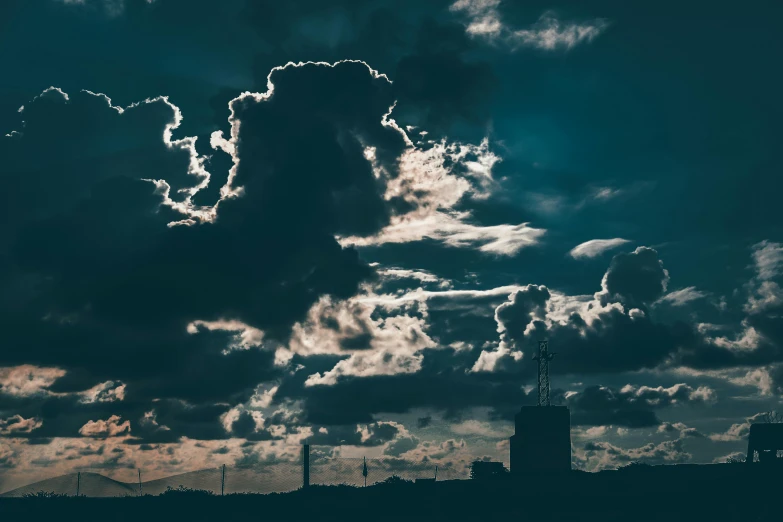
(612, 331)
(106, 254)
(132, 287)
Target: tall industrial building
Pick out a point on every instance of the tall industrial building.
(542, 433)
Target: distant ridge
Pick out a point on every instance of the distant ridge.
(92, 485)
(238, 480)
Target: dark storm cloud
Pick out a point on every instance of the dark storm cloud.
(636, 279)
(94, 268)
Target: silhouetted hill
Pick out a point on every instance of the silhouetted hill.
(208, 479)
(262, 480)
(92, 485)
(265, 479)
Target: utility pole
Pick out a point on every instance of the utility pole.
(141, 491)
(305, 465)
(543, 359)
(78, 482)
(223, 481)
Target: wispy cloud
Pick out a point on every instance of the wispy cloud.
(682, 296)
(483, 20)
(112, 8)
(595, 247)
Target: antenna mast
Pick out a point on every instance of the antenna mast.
(543, 359)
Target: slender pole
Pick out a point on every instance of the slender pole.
(436, 472)
(78, 482)
(305, 466)
(141, 491)
(223, 481)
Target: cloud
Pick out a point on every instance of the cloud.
(110, 8)
(768, 259)
(738, 431)
(683, 296)
(757, 339)
(108, 391)
(483, 20)
(495, 360)
(549, 33)
(431, 182)
(366, 435)
(27, 380)
(595, 247)
(504, 239)
(200, 286)
(681, 429)
(8, 457)
(631, 406)
(513, 319)
(765, 294)
(736, 456)
(449, 455)
(483, 16)
(423, 277)
(596, 456)
(762, 378)
(361, 365)
(611, 331)
(474, 427)
(636, 278)
(16, 425)
(101, 429)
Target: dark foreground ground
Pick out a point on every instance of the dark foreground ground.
(730, 492)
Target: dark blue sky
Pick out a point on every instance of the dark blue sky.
(297, 260)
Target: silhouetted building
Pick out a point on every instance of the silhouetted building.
(765, 439)
(484, 470)
(542, 433)
(541, 440)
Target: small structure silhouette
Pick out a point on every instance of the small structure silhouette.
(765, 439)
